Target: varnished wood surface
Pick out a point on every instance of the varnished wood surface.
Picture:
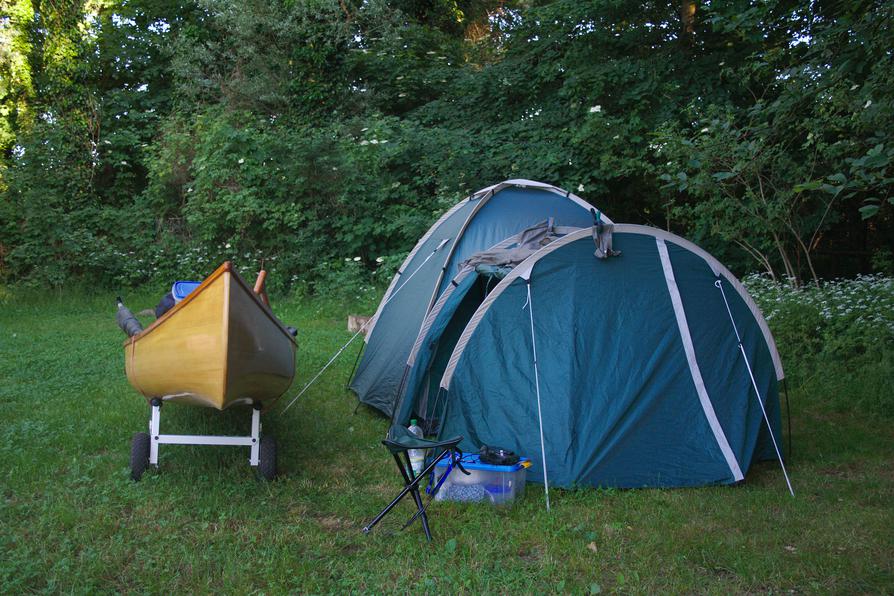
(218, 347)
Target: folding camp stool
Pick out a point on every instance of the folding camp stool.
(399, 441)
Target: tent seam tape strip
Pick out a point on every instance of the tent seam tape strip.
(403, 267)
(694, 370)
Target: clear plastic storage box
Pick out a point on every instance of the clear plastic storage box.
(500, 485)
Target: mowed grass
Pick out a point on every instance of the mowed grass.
(71, 519)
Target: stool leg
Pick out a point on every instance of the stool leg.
(411, 485)
(408, 487)
(394, 502)
(416, 496)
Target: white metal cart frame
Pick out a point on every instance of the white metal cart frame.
(145, 447)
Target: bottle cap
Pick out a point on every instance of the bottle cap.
(412, 422)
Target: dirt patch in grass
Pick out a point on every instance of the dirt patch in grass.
(850, 470)
(384, 489)
(531, 553)
(350, 548)
(331, 523)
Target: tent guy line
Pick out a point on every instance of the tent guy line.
(719, 285)
(362, 327)
(530, 306)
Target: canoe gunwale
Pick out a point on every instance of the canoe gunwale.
(227, 266)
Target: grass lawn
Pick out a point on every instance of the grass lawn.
(72, 520)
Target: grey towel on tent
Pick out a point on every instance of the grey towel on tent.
(602, 237)
(531, 240)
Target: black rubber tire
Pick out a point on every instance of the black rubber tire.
(139, 455)
(267, 458)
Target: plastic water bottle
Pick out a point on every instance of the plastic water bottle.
(417, 456)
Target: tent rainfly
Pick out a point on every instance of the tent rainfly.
(650, 368)
(477, 223)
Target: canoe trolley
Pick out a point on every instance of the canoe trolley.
(144, 447)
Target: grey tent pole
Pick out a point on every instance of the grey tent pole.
(788, 417)
(757, 392)
(359, 331)
(354, 368)
(530, 306)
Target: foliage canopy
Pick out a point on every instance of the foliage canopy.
(146, 139)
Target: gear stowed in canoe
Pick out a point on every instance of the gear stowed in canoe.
(219, 345)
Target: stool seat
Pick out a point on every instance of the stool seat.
(400, 439)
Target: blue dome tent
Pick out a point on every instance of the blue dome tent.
(477, 223)
(650, 368)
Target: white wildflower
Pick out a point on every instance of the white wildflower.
(595, 109)
(241, 160)
(379, 259)
(356, 259)
(868, 103)
(580, 188)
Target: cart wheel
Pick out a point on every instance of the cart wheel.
(267, 458)
(139, 455)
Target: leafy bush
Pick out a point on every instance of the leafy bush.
(307, 132)
(837, 340)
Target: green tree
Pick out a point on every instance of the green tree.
(789, 170)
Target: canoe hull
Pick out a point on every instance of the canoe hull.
(219, 347)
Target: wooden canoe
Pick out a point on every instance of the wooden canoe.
(219, 346)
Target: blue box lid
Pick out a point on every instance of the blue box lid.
(472, 461)
(182, 289)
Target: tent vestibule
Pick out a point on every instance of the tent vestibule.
(477, 223)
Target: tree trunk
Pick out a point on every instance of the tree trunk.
(687, 19)
(757, 255)
(790, 272)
